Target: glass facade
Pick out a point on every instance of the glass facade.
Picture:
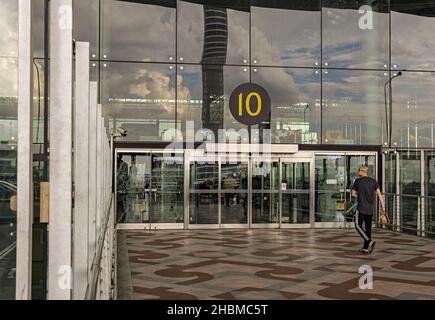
(325, 65)
(168, 67)
(8, 146)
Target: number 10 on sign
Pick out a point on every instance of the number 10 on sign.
(249, 104)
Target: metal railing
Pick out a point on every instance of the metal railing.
(6, 251)
(101, 283)
(411, 213)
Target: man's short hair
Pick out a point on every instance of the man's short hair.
(364, 169)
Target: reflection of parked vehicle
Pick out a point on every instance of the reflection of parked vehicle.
(7, 190)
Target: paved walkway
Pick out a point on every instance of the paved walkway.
(271, 264)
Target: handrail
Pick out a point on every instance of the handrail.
(8, 250)
(408, 195)
(413, 196)
(91, 290)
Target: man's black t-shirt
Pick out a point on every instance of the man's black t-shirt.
(366, 187)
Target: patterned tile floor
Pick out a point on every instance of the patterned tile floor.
(272, 264)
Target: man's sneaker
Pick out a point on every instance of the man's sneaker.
(372, 246)
(364, 251)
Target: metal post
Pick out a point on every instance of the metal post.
(423, 194)
(398, 220)
(92, 236)
(81, 170)
(384, 184)
(59, 251)
(24, 158)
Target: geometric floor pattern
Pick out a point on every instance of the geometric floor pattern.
(272, 264)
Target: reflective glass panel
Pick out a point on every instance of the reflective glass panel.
(412, 41)
(413, 109)
(202, 96)
(234, 208)
(85, 24)
(9, 28)
(265, 175)
(150, 188)
(190, 112)
(166, 188)
(265, 191)
(204, 208)
(133, 31)
(355, 34)
(38, 28)
(410, 187)
(232, 78)
(265, 207)
(234, 199)
(329, 188)
(204, 196)
(353, 109)
(295, 189)
(295, 98)
(204, 175)
(8, 161)
(213, 32)
(132, 189)
(234, 176)
(285, 33)
(140, 97)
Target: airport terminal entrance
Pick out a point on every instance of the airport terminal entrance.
(246, 191)
(239, 188)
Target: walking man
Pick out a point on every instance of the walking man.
(364, 189)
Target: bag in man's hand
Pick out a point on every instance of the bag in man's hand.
(383, 218)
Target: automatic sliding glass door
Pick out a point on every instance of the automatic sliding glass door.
(334, 177)
(234, 193)
(282, 192)
(296, 192)
(149, 189)
(204, 193)
(218, 192)
(265, 192)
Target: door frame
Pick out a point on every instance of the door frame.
(276, 225)
(291, 157)
(142, 225)
(198, 155)
(311, 161)
(303, 155)
(346, 224)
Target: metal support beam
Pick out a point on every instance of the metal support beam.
(25, 156)
(81, 170)
(92, 235)
(59, 241)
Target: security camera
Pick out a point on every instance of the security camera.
(121, 131)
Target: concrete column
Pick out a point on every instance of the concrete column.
(81, 170)
(92, 235)
(59, 240)
(24, 161)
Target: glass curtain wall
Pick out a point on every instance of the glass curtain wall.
(167, 68)
(332, 61)
(8, 146)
